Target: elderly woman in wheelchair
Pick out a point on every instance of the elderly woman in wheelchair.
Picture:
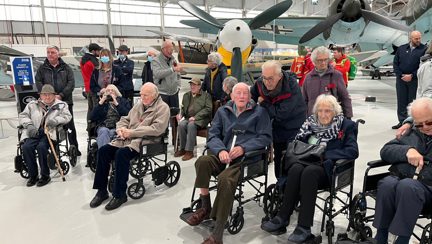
(403, 194)
(337, 137)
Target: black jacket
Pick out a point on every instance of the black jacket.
(61, 78)
(147, 73)
(115, 79)
(126, 67)
(287, 110)
(406, 61)
(99, 113)
(216, 91)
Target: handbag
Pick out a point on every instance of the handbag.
(406, 170)
(303, 153)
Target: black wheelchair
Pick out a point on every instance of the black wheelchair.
(359, 216)
(152, 160)
(336, 197)
(253, 174)
(62, 148)
(92, 148)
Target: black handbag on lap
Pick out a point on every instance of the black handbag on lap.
(304, 153)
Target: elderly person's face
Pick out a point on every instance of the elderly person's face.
(168, 49)
(211, 64)
(321, 61)
(325, 113)
(270, 78)
(423, 120)
(195, 88)
(147, 95)
(47, 98)
(52, 55)
(241, 96)
(415, 38)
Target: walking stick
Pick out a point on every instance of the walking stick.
(55, 154)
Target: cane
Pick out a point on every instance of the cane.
(54, 152)
(235, 132)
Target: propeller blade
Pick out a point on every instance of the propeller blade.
(320, 27)
(379, 19)
(270, 14)
(236, 64)
(200, 14)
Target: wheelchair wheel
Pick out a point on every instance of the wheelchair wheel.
(136, 190)
(174, 172)
(271, 201)
(24, 172)
(91, 157)
(18, 161)
(357, 212)
(236, 222)
(426, 237)
(73, 154)
(65, 167)
(138, 169)
(111, 184)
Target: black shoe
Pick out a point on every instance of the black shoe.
(115, 203)
(78, 152)
(395, 127)
(43, 180)
(275, 226)
(32, 181)
(98, 200)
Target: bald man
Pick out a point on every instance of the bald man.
(405, 64)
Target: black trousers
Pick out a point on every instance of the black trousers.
(72, 135)
(302, 184)
(406, 93)
(171, 100)
(278, 147)
(129, 96)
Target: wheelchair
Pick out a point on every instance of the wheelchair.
(336, 201)
(150, 161)
(62, 148)
(253, 174)
(92, 148)
(359, 217)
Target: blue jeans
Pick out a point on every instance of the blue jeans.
(104, 136)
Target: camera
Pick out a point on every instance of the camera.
(108, 98)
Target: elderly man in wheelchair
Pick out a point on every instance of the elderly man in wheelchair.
(337, 137)
(147, 118)
(47, 111)
(238, 127)
(402, 196)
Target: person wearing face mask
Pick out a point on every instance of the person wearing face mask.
(106, 73)
(216, 72)
(127, 66)
(147, 73)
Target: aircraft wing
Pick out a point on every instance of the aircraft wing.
(182, 38)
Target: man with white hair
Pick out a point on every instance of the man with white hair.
(147, 118)
(215, 74)
(400, 198)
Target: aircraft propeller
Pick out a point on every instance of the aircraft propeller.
(236, 35)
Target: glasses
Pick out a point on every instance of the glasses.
(322, 60)
(270, 78)
(422, 124)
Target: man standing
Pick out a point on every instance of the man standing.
(57, 73)
(126, 65)
(166, 76)
(341, 63)
(279, 93)
(227, 149)
(405, 64)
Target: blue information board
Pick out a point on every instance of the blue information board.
(22, 70)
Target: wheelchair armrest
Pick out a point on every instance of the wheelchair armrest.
(343, 162)
(377, 163)
(254, 153)
(151, 138)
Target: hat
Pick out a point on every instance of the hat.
(94, 47)
(123, 48)
(196, 81)
(47, 89)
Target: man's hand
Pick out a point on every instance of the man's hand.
(178, 68)
(260, 99)
(406, 77)
(126, 133)
(405, 128)
(415, 158)
(191, 119)
(236, 152)
(224, 157)
(119, 132)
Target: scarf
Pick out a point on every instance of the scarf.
(323, 132)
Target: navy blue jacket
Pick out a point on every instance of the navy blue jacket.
(407, 61)
(126, 67)
(287, 110)
(216, 91)
(115, 79)
(254, 121)
(99, 113)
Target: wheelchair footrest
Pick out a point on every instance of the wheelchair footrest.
(311, 240)
(187, 212)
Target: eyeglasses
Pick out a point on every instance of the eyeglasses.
(322, 60)
(422, 124)
(270, 78)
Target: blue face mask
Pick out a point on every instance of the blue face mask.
(149, 58)
(105, 59)
(121, 56)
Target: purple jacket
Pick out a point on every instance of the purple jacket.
(315, 85)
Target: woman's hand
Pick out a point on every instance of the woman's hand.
(404, 129)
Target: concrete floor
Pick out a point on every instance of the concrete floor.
(60, 212)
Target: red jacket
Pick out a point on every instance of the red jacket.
(343, 65)
(308, 67)
(87, 64)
